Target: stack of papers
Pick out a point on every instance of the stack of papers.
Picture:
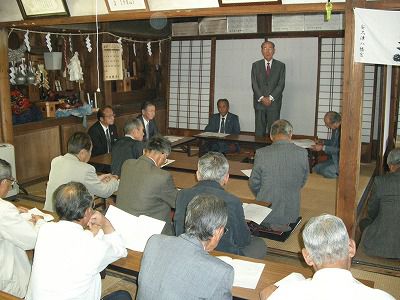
(167, 162)
(135, 231)
(256, 213)
(213, 134)
(35, 211)
(247, 172)
(305, 143)
(247, 273)
(172, 138)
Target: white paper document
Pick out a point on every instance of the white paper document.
(35, 211)
(167, 162)
(213, 134)
(247, 273)
(291, 278)
(256, 213)
(173, 138)
(247, 172)
(305, 143)
(135, 231)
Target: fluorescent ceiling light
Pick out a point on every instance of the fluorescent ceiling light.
(155, 5)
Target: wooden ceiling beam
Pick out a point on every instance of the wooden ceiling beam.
(204, 12)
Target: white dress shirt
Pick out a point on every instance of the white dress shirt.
(68, 260)
(329, 284)
(16, 236)
(220, 120)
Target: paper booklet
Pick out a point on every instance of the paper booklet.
(247, 172)
(135, 231)
(167, 162)
(305, 143)
(213, 134)
(291, 278)
(173, 138)
(247, 273)
(35, 211)
(256, 213)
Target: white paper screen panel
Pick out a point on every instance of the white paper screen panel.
(331, 86)
(189, 93)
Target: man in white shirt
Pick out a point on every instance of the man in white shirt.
(68, 258)
(16, 236)
(328, 249)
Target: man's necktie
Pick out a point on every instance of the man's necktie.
(268, 70)
(108, 141)
(222, 127)
(147, 131)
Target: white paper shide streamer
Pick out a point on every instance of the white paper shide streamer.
(88, 44)
(134, 49)
(48, 42)
(120, 44)
(26, 40)
(75, 69)
(149, 48)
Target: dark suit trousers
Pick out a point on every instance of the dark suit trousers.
(264, 120)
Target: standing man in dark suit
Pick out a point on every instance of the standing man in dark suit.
(180, 267)
(280, 171)
(382, 236)
(147, 118)
(268, 82)
(330, 167)
(213, 174)
(144, 188)
(128, 147)
(224, 122)
(103, 134)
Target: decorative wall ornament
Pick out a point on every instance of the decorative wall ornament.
(48, 42)
(75, 69)
(149, 48)
(17, 55)
(120, 43)
(134, 49)
(88, 44)
(26, 40)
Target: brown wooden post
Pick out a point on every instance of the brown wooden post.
(394, 107)
(350, 142)
(7, 135)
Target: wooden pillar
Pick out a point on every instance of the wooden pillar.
(350, 142)
(394, 107)
(7, 135)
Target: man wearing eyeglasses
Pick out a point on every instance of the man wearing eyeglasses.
(16, 236)
(103, 134)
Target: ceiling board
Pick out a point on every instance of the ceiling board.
(155, 5)
(9, 11)
(86, 8)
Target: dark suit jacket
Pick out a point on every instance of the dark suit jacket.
(273, 86)
(332, 147)
(175, 268)
(238, 235)
(125, 148)
(382, 237)
(145, 189)
(232, 125)
(280, 171)
(99, 139)
(153, 129)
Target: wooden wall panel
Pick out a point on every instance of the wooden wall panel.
(67, 130)
(121, 120)
(34, 152)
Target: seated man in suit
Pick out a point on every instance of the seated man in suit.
(223, 122)
(213, 174)
(329, 250)
(280, 171)
(129, 146)
(145, 189)
(73, 166)
(16, 236)
(180, 267)
(147, 119)
(103, 134)
(382, 236)
(69, 257)
(330, 167)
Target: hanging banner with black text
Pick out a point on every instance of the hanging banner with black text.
(377, 36)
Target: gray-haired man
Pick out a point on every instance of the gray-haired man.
(129, 146)
(382, 236)
(280, 171)
(213, 174)
(328, 249)
(180, 267)
(144, 188)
